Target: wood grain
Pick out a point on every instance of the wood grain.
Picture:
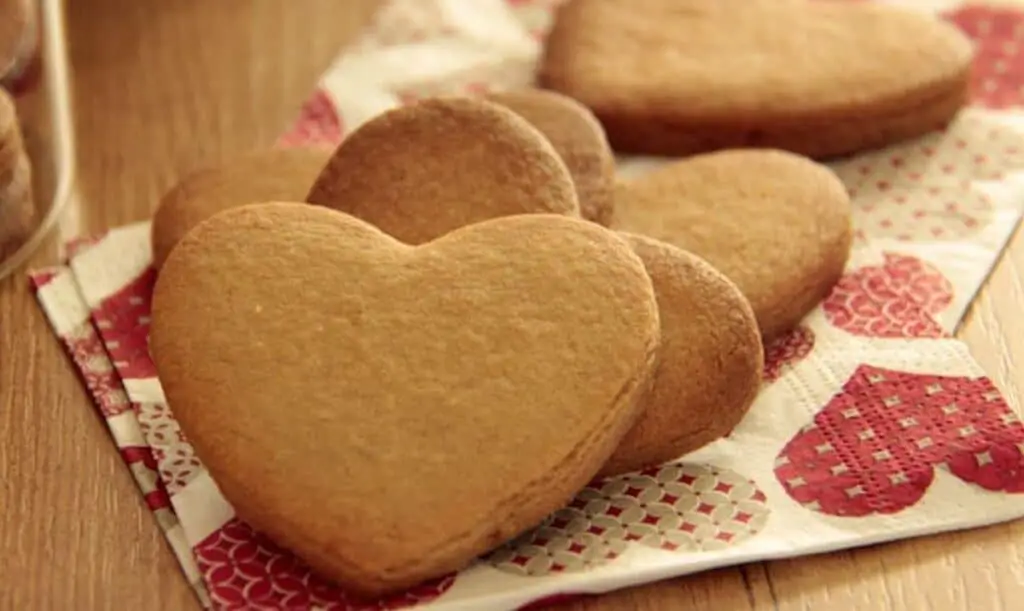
(160, 87)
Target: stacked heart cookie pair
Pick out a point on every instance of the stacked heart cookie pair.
(438, 349)
(395, 356)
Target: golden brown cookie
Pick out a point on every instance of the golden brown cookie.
(17, 208)
(776, 224)
(12, 145)
(18, 36)
(422, 170)
(261, 176)
(578, 138)
(390, 412)
(677, 77)
(709, 363)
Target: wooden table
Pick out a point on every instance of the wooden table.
(163, 86)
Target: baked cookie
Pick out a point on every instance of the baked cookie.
(18, 38)
(422, 170)
(17, 207)
(709, 362)
(578, 138)
(451, 395)
(677, 77)
(12, 144)
(776, 224)
(261, 176)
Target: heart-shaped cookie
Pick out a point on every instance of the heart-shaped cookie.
(261, 176)
(709, 362)
(419, 171)
(776, 224)
(578, 138)
(390, 412)
(676, 77)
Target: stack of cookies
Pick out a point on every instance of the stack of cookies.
(443, 329)
(17, 212)
(17, 43)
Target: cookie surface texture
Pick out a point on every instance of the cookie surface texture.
(579, 140)
(679, 77)
(776, 224)
(420, 171)
(261, 176)
(17, 206)
(709, 362)
(435, 400)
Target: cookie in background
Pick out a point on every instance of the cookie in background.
(260, 176)
(423, 170)
(822, 79)
(777, 225)
(17, 209)
(578, 138)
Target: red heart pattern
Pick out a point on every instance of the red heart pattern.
(123, 322)
(245, 570)
(674, 507)
(998, 34)
(896, 299)
(318, 124)
(785, 351)
(874, 447)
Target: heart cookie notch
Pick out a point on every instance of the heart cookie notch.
(390, 412)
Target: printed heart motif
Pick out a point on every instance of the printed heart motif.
(874, 447)
(895, 299)
(785, 351)
(677, 78)
(452, 395)
(998, 33)
(676, 507)
(242, 568)
(123, 322)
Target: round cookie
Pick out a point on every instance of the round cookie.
(677, 78)
(453, 394)
(776, 224)
(578, 138)
(709, 362)
(420, 171)
(268, 175)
